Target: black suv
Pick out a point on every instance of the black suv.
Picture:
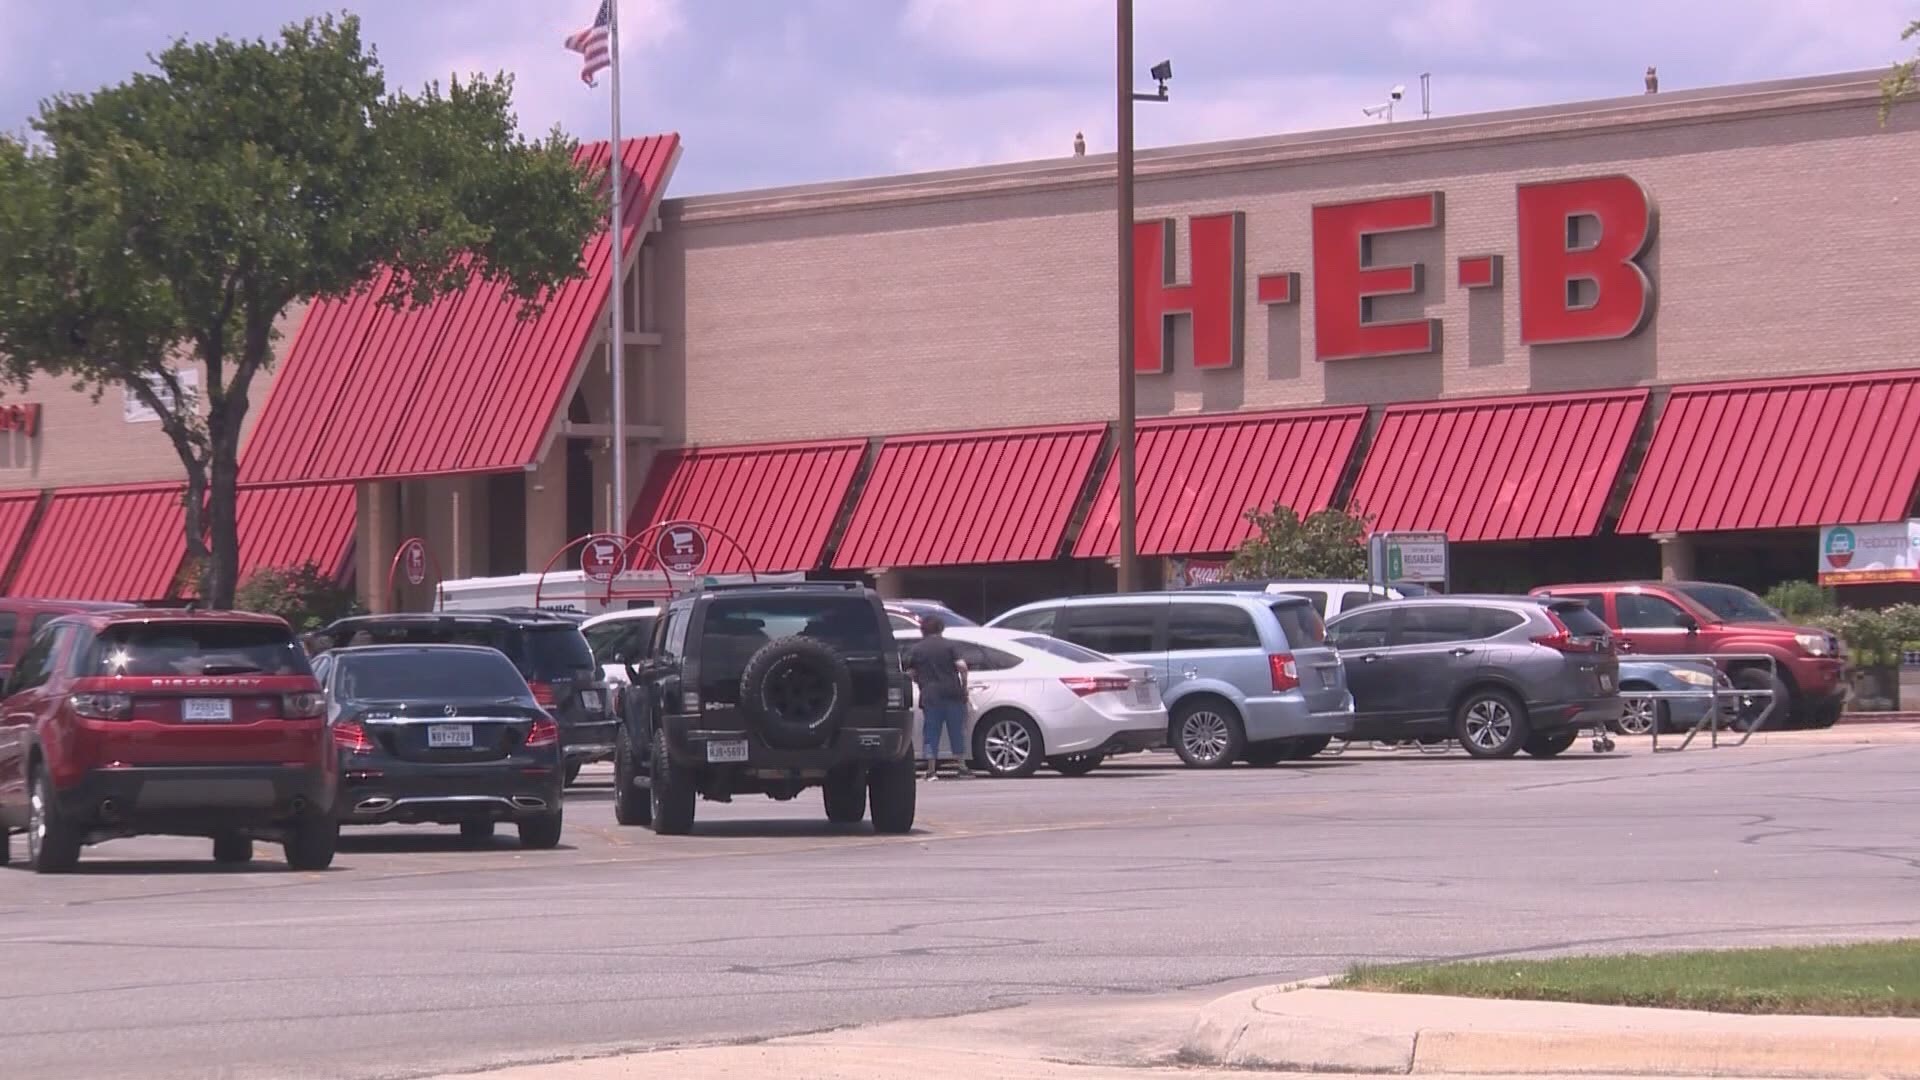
(548, 648)
(768, 689)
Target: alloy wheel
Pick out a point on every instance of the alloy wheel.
(1489, 724)
(1638, 715)
(36, 824)
(1008, 746)
(1205, 735)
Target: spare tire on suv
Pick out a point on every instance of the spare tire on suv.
(795, 692)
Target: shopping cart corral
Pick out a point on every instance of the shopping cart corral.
(1738, 710)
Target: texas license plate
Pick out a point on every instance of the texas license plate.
(445, 736)
(1606, 682)
(590, 699)
(207, 710)
(727, 750)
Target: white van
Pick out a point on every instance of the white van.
(1330, 597)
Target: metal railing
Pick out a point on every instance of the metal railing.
(1742, 700)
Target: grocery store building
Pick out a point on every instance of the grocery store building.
(1672, 333)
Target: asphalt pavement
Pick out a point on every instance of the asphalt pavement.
(417, 955)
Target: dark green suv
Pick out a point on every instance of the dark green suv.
(768, 690)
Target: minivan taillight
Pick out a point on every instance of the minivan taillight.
(1286, 673)
(543, 694)
(544, 732)
(351, 736)
(1562, 639)
(1096, 684)
(102, 706)
(302, 706)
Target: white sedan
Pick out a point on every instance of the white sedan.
(1038, 699)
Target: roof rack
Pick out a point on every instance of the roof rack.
(784, 586)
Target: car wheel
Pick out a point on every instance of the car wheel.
(1075, 764)
(311, 842)
(670, 790)
(630, 806)
(1309, 746)
(53, 844)
(1640, 715)
(476, 832)
(1756, 709)
(1546, 744)
(1267, 754)
(892, 792)
(1207, 733)
(542, 833)
(573, 772)
(845, 794)
(1008, 744)
(232, 848)
(1824, 716)
(1490, 724)
(6, 845)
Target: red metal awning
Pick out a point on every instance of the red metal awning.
(1517, 468)
(16, 516)
(973, 497)
(1775, 454)
(289, 526)
(1197, 477)
(461, 386)
(778, 502)
(106, 543)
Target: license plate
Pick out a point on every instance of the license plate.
(206, 710)
(727, 750)
(441, 736)
(590, 699)
(1606, 682)
(1143, 693)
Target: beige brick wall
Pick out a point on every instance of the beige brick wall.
(983, 298)
(83, 442)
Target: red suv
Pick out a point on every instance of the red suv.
(1698, 617)
(173, 722)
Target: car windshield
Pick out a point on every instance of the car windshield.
(430, 675)
(556, 652)
(1730, 603)
(620, 637)
(1065, 650)
(196, 648)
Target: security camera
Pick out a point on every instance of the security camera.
(1399, 92)
(1162, 71)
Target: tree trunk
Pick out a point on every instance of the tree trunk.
(223, 476)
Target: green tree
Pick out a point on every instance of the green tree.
(1901, 82)
(1325, 544)
(306, 596)
(175, 217)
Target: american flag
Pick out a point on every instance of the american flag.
(593, 44)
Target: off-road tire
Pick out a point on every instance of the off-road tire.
(631, 806)
(892, 790)
(671, 791)
(795, 692)
(844, 794)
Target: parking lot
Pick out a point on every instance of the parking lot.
(416, 954)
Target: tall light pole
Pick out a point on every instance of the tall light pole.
(1125, 97)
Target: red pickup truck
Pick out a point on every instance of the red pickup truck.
(1653, 618)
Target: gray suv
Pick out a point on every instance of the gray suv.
(1500, 674)
(1245, 676)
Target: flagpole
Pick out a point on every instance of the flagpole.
(616, 348)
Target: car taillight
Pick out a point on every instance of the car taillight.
(1562, 639)
(1286, 673)
(302, 706)
(544, 732)
(690, 701)
(543, 694)
(102, 706)
(1096, 684)
(350, 735)
(896, 695)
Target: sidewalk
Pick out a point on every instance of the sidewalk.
(1347, 1031)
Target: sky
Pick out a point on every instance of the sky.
(773, 92)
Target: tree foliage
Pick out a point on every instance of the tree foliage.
(1799, 599)
(306, 596)
(174, 218)
(1325, 544)
(1901, 82)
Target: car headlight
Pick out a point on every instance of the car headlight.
(1814, 644)
(1692, 677)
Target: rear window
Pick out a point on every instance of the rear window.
(622, 637)
(1065, 650)
(1302, 625)
(196, 648)
(735, 628)
(1579, 619)
(430, 675)
(555, 651)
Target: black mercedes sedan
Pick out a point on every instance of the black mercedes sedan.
(442, 734)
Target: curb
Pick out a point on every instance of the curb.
(1355, 1032)
(1849, 719)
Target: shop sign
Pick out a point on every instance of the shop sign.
(413, 561)
(1419, 557)
(682, 549)
(20, 419)
(1199, 571)
(1862, 554)
(601, 558)
(135, 411)
(1580, 244)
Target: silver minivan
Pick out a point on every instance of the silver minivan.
(1244, 676)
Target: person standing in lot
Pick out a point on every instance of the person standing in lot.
(942, 677)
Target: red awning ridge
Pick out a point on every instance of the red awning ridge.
(778, 502)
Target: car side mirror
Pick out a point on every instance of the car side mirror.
(1689, 624)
